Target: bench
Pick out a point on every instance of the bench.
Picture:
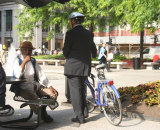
(46, 61)
(118, 64)
(150, 65)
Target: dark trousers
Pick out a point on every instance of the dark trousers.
(2, 86)
(78, 95)
(106, 63)
(67, 93)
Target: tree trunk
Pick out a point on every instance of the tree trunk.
(141, 44)
(91, 27)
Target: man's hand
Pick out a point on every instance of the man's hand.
(53, 90)
(27, 59)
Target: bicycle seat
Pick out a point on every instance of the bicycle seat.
(100, 66)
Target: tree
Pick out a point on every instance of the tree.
(98, 13)
(140, 14)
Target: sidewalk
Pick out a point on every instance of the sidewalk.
(63, 114)
(121, 78)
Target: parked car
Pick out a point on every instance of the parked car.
(150, 52)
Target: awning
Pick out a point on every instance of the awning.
(33, 3)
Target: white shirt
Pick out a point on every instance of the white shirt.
(29, 73)
(39, 51)
(110, 56)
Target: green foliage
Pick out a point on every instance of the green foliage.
(140, 14)
(117, 58)
(148, 93)
(99, 13)
(58, 56)
(95, 59)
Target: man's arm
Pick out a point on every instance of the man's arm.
(67, 45)
(26, 59)
(93, 47)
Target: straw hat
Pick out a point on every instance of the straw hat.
(26, 44)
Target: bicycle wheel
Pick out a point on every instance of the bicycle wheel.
(113, 109)
(91, 106)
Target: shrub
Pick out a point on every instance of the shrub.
(119, 58)
(58, 56)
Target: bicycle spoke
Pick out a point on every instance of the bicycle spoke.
(113, 110)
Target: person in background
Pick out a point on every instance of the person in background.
(37, 84)
(156, 59)
(39, 51)
(109, 58)
(78, 48)
(102, 57)
(117, 52)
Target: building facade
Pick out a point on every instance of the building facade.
(8, 20)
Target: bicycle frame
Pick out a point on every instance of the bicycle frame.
(97, 101)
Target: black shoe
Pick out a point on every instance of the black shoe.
(81, 121)
(46, 118)
(86, 115)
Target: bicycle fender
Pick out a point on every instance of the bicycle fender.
(115, 91)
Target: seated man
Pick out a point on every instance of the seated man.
(3, 90)
(37, 84)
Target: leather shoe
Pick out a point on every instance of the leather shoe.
(81, 121)
(46, 118)
(86, 115)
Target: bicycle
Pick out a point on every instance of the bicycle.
(106, 97)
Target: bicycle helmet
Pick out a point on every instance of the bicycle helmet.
(78, 17)
(75, 15)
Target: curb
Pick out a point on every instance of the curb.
(139, 116)
(125, 114)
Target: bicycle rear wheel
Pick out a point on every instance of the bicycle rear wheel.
(113, 109)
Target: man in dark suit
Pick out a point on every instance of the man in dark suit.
(78, 49)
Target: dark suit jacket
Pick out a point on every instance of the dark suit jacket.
(78, 48)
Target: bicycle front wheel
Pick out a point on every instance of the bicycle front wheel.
(113, 109)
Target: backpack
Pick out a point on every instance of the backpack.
(33, 61)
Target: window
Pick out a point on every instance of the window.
(146, 51)
(58, 28)
(8, 20)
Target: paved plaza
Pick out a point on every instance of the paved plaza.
(96, 121)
